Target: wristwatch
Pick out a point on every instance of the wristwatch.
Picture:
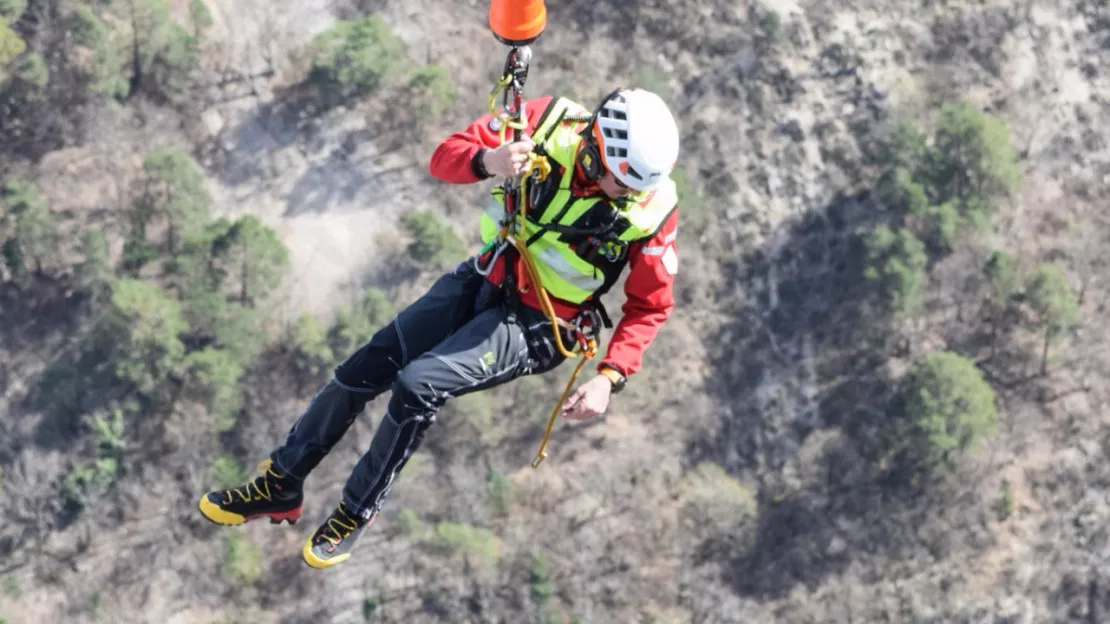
(615, 376)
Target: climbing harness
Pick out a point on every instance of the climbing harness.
(518, 24)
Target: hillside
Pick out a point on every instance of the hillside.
(880, 398)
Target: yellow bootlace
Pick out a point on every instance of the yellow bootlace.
(339, 527)
(252, 491)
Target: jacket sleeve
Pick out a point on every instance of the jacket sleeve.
(649, 292)
(455, 160)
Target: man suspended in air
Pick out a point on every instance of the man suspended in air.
(607, 204)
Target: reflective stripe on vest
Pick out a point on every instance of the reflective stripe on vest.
(562, 272)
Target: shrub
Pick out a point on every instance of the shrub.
(472, 541)
(353, 58)
(242, 559)
(896, 261)
(433, 92)
(435, 242)
(950, 406)
(227, 472)
(1054, 302)
(718, 503)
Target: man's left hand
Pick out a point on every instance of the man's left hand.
(589, 400)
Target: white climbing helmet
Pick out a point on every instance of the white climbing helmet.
(637, 137)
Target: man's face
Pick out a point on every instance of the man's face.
(614, 188)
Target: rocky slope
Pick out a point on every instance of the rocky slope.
(781, 105)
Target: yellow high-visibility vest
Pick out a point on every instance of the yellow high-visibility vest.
(563, 272)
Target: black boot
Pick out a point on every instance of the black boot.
(271, 494)
(333, 542)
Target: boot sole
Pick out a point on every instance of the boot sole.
(312, 561)
(216, 515)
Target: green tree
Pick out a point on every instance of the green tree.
(173, 188)
(140, 331)
(936, 223)
(540, 576)
(435, 242)
(1002, 284)
(1054, 302)
(354, 325)
(88, 482)
(11, 45)
(906, 148)
(354, 57)
(95, 272)
(105, 65)
(939, 225)
(200, 15)
(481, 544)
(257, 259)
(896, 261)
(86, 27)
(950, 406)
(410, 524)
(13, 256)
(719, 505)
(204, 311)
(899, 189)
(137, 252)
(227, 472)
(1002, 278)
(469, 423)
(309, 341)
(162, 52)
(200, 263)
(242, 559)
(32, 71)
(770, 27)
(63, 389)
(241, 333)
(110, 432)
(376, 307)
(12, 10)
(500, 493)
(973, 163)
(243, 256)
(202, 269)
(215, 321)
(212, 379)
(955, 182)
(30, 230)
(432, 91)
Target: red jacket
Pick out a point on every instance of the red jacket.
(649, 288)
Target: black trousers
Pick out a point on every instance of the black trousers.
(462, 336)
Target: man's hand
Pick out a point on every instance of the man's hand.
(589, 400)
(510, 159)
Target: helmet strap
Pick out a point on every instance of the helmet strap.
(589, 157)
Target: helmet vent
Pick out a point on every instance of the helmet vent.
(609, 113)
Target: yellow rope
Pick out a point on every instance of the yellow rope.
(538, 164)
(542, 453)
(545, 302)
